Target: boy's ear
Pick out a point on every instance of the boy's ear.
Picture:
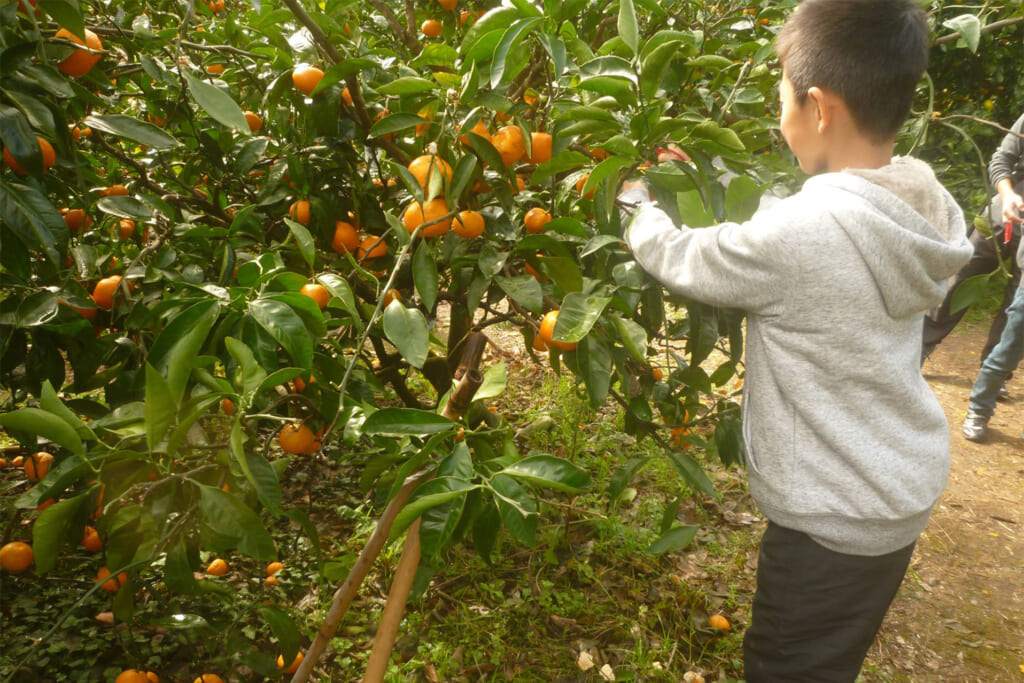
(822, 102)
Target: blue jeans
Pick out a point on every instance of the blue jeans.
(1002, 360)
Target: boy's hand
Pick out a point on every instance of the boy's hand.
(671, 153)
(1013, 206)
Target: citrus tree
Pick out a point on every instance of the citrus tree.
(238, 235)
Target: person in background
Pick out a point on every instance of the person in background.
(1006, 172)
(847, 447)
(997, 366)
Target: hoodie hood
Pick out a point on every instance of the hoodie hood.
(905, 225)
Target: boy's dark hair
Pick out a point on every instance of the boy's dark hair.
(872, 53)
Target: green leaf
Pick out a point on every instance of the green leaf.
(393, 123)
(340, 289)
(463, 174)
(603, 170)
(517, 509)
(161, 407)
(251, 375)
(257, 470)
(407, 329)
(594, 360)
(729, 439)
(524, 289)
(179, 343)
(407, 85)
(32, 217)
(627, 25)
(623, 475)
(969, 28)
(133, 129)
(655, 64)
(550, 472)
(742, 197)
(512, 37)
(218, 104)
(124, 207)
(970, 291)
(424, 272)
(495, 381)
(289, 640)
(673, 540)
(429, 494)
(577, 316)
(406, 421)
(178, 573)
(304, 240)
(567, 160)
(709, 130)
(286, 327)
(51, 530)
(66, 13)
(486, 527)
(50, 402)
(39, 422)
(233, 524)
(633, 337)
(692, 472)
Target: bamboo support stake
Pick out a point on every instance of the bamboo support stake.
(346, 593)
(394, 608)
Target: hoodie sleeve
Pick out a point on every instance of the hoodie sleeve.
(1009, 158)
(731, 265)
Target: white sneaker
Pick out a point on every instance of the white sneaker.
(975, 427)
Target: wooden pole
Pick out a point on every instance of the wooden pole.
(394, 608)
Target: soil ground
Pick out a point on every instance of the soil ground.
(960, 613)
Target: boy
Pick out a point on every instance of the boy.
(847, 448)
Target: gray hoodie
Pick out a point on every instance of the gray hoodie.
(845, 440)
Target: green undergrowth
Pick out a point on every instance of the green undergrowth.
(587, 593)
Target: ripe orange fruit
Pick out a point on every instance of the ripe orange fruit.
(530, 270)
(111, 585)
(346, 237)
(657, 374)
(719, 622)
(306, 78)
(271, 581)
(538, 344)
(431, 28)
(531, 98)
(126, 228)
(45, 504)
(77, 221)
(294, 665)
(37, 465)
(298, 439)
(114, 191)
(80, 62)
(227, 406)
(80, 132)
(299, 211)
(677, 433)
(18, 461)
(3, 463)
(547, 330)
(581, 183)
(417, 214)
(103, 293)
(536, 219)
(372, 247)
(91, 540)
(49, 157)
(468, 224)
(209, 678)
(213, 70)
(132, 676)
(448, 5)
(16, 556)
(428, 167)
(317, 293)
(510, 144)
(347, 96)
(479, 128)
(392, 295)
(217, 568)
(254, 121)
(540, 148)
(274, 567)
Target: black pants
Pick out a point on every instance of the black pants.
(816, 612)
(940, 322)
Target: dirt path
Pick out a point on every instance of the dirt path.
(960, 613)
